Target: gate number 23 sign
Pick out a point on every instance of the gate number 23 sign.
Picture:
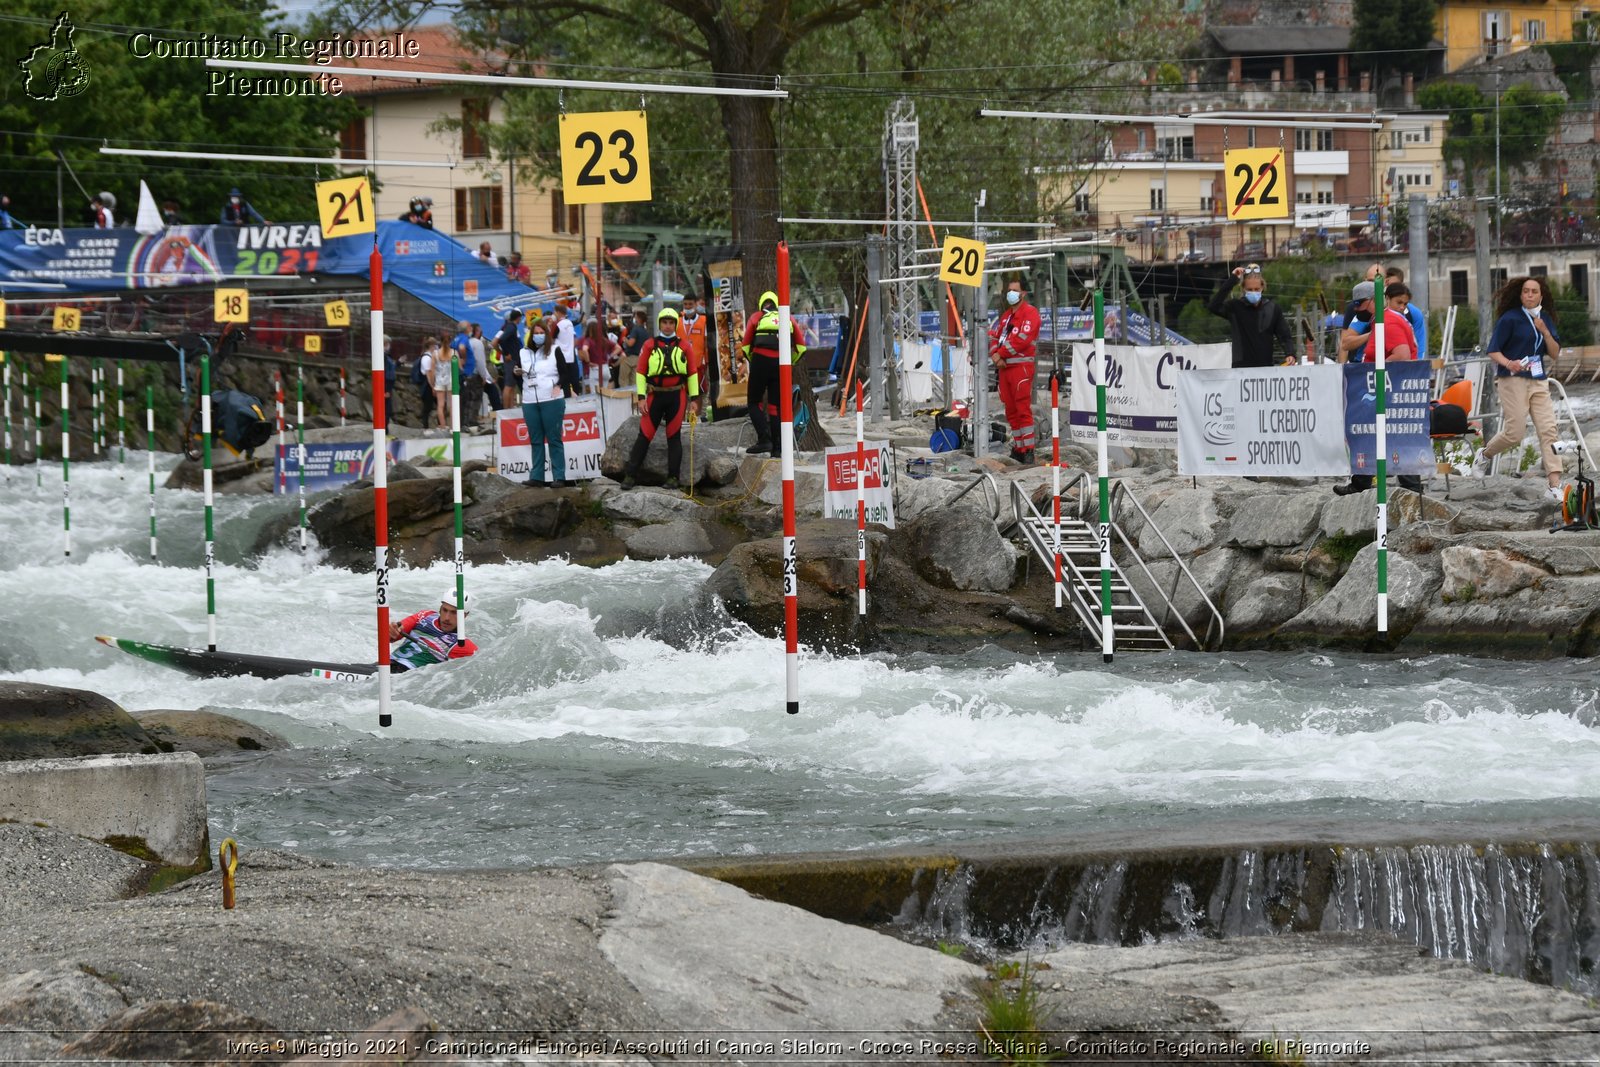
(605, 157)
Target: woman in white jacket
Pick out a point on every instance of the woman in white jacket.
(544, 405)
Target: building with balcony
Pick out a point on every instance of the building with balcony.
(483, 198)
(1473, 30)
(1160, 187)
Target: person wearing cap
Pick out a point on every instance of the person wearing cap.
(1397, 295)
(1255, 321)
(238, 212)
(666, 389)
(508, 343)
(430, 637)
(762, 394)
(1012, 351)
(1398, 343)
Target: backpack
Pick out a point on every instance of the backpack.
(416, 372)
(1447, 419)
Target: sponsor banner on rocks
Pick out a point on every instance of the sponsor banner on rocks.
(839, 494)
(580, 435)
(1141, 391)
(1282, 421)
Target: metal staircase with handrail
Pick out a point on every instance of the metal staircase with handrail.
(1134, 627)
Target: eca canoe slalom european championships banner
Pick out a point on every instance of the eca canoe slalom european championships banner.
(1301, 422)
(426, 263)
(329, 466)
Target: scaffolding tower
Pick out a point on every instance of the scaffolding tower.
(900, 139)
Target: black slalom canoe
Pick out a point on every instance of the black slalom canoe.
(206, 664)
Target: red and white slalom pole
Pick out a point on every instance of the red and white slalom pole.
(283, 451)
(341, 396)
(380, 486)
(861, 509)
(1055, 472)
(791, 572)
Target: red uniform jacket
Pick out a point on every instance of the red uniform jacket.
(1015, 335)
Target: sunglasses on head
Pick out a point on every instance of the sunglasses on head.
(1252, 268)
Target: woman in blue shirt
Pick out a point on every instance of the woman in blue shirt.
(1522, 347)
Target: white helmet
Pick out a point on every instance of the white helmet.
(450, 599)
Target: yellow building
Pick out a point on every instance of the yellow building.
(1473, 30)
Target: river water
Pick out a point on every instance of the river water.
(611, 717)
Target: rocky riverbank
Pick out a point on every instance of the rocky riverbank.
(1280, 563)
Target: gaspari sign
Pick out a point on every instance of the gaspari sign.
(580, 437)
(839, 493)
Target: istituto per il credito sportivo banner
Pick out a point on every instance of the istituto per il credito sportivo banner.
(580, 434)
(1141, 391)
(1284, 421)
(839, 494)
(1409, 390)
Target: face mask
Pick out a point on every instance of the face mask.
(233, 199)
(1253, 295)
(1013, 298)
(1535, 310)
(1363, 316)
(538, 338)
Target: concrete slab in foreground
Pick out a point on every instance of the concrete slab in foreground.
(147, 804)
(1336, 998)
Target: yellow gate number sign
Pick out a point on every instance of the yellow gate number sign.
(2, 314)
(313, 342)
(68, 320)
(345, 205)
(961, 261)
(1257, 183)
(233, 305)
(337, 313)
(605, 157)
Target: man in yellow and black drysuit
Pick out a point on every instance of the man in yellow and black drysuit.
(667, 387)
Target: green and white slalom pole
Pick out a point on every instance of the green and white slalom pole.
(38, 437)
(1380, 391)
(150, 449)
(300, 443)
(1107, 639)
(6, 373)
(66, 461)
(455, 476)
(22, 439)
(122, 429)
(205, 488)
(94, 409)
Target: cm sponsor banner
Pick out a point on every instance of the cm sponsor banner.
(580, 435)
(1409, 390)
(1141, 391)
(1285, 421)
(839, 492)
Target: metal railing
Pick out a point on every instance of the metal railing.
(1120, 489)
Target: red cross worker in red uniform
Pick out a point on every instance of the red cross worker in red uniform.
(1011, 348)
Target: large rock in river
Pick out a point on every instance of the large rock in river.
(750, 581)
(49, 722)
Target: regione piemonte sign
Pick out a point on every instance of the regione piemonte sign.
(1284, 421)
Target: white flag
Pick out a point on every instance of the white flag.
(148, 220)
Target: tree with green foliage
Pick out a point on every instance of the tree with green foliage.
(1197, 323)
(1393, 34)
(844, 62)
(1527, 118)
(155, 103)
(1572, 315)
